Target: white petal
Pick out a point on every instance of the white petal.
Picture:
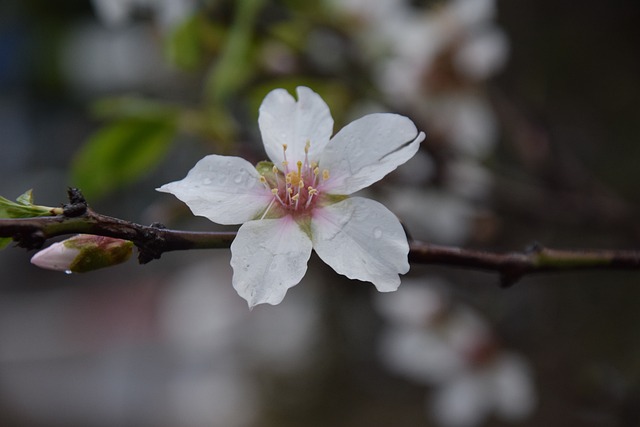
(268, 257)
(367, 149)
(420, 355)
(363, 240)
(514, 392)
(463, 402)
(227, 190)
(282, 120)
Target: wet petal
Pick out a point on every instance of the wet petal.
(268, 257)
(363, 240)
(283, 120)
(223, 189)
(367, 149)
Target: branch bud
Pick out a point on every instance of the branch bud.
(82, 253)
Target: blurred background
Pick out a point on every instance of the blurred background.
(531, 112)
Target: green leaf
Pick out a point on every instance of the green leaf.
(26, 198)
(120, 153)
(235, 65)
(23, 207)
(189, 42)
(121, 107)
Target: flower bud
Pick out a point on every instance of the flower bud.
(82, 253)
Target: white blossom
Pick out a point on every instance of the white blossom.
(300, 200)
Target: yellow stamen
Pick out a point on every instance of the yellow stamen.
(307, 146)
(325, 174)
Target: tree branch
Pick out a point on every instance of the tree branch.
(152, 241)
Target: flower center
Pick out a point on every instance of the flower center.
(295, 189)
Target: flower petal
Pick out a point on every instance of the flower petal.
(282, 120)
(268, 257)
(367, 149)
(363, 240)
(226, 190)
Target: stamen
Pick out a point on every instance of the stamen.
(325, 174)
(275, 193)
(268, 207)
(263, 180)
(285, 163)
(312, 191)
(276, 172)
(306, 154)
(299, 163)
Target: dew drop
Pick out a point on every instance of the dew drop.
(238, 178)
(67, 272)
(377, 233)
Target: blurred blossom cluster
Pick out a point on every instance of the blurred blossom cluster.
(434, 61)
(433, 340)
(181, 351)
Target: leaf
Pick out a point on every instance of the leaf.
(189, 42)
(235, 65)
(23, 207)
(120, 153)
(121, 107)
(26, 198)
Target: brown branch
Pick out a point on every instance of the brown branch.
(152, 241)
(513, 265)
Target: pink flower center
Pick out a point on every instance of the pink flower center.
(295, 189)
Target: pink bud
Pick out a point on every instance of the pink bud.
(82, 253)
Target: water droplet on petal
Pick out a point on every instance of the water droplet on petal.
(377, 233)
(238, 179)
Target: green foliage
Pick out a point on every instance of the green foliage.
(235, 65)
(23, 207)
(189, 42)
(120, 153)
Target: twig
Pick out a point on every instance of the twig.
(152, 241)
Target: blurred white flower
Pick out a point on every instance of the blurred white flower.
(431, 340)
(96, 59)
(503, 387)
(167, 12)
(435, 216)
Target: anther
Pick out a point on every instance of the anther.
(325, 174)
